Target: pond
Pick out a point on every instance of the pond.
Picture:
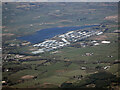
(48, 33)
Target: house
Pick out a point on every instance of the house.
(4, 83)
(105, 42)
(96, 44)
(83, 68)
(106, 67)
(25, 43)
(90, 85)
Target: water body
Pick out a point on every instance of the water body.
(50, 32)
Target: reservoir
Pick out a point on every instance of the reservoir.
(48, 33)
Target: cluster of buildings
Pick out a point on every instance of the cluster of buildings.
(64, 40)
